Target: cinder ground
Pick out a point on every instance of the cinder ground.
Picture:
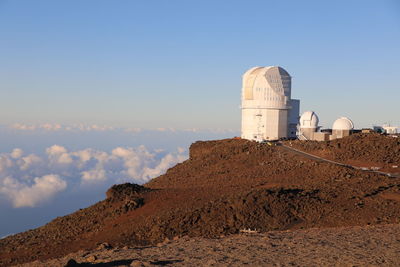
(348, 246)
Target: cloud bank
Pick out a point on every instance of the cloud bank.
(80, 127)
(53, 127)
(27, 180)
(25, 195)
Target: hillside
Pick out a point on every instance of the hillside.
(226, 186)
(369, 150)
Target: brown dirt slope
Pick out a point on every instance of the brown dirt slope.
(224, 186)
(367, 150)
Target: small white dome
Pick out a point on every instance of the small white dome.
(309, 120)
(343, 123)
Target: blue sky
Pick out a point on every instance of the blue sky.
(179, 63)
(99, 92)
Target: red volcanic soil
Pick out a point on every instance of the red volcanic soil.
(226, 186)
(361, 150)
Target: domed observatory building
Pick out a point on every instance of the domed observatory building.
(308, 125)
(268, 112)
(342, 127)
(309, 129)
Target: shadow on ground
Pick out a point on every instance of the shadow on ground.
(73, 263)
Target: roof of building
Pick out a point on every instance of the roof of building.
(260, 70)
(343, 123)
(275, 78)
(309, 119)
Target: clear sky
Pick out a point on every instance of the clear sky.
(179, 63)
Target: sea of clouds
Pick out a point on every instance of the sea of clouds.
(27, 180)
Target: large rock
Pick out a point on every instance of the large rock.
(125, 191)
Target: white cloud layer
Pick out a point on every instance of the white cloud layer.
(59, 127)
(80, 127)
(25, 195)
(28, 180)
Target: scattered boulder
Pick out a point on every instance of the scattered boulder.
(72, 263)
(91, 258)
(137, 263)
(104, 245)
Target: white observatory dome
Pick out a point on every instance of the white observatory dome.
(266, 87)
(309, 120)
(343, 123)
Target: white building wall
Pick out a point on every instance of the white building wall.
(249, 124)
(391, 129)
(264, 124)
